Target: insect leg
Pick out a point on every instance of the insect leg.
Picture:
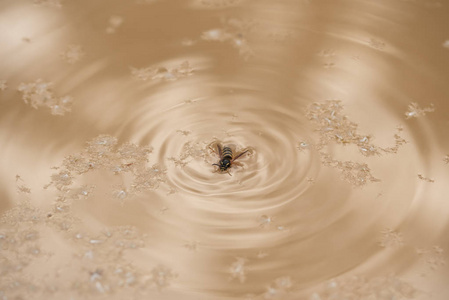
(236, 163)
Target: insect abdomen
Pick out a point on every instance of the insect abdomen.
(227, 152)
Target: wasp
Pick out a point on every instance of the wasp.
(227, 156)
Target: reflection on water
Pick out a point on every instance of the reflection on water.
(111, 113)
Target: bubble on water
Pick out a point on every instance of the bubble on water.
(237, 270)
(414, 111)
(391, 238)
(3, 85)
(121, 194)
(303, 145)
(82, 192)
(73, 54)
(40, 94)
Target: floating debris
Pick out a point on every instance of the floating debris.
(360, 287)
(358, 174)
(189, 151)
(178, 162)
(334, 126)
(162, 73)
(376, 44)
(279, 288)
(327, 53)
(237, 269)
(265, 221)
(114, 23)
(162, 276)
(262, 254)
(72, 54)
(391, 238)
(414, 111)
(40, 94)
(329, 64)
(235, 32)
(184, 132)
(192, 245)
(22, 188)
(105, 154)
(446, 159)
(425, 178)
(62, 180)
(433, 257)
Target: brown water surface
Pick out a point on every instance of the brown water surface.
(110, 116)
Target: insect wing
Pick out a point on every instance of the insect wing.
(220, 150)
(216, 145)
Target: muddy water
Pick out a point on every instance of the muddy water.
(114, 112)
